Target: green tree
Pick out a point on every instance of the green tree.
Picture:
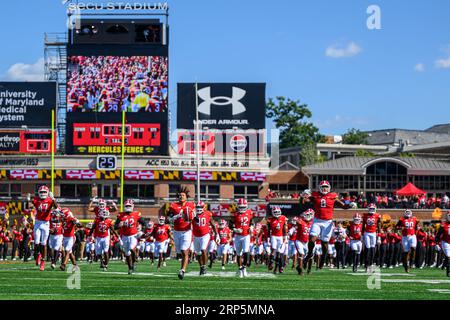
(290, 118)
(364, 153)
(309, 155)
(355, 136)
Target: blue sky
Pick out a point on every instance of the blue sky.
(398, 76)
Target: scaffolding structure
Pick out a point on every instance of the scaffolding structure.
(55, 56)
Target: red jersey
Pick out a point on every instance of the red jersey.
(383, 238)
(324, 205)
(161, 232)
(130, 222)
(69, 225)
(201, 227)
(102, 228)
(370, 222)
(242, 221)
(277, 225)
(212, 235)
(421, 236)
(56, 227)
(224, 235)
(43, 208)
(408, 226)
(292, 232)
(264, 232)
(303, 230)
(149, 232)
(355, 231)
(182, 223)
(445, 232)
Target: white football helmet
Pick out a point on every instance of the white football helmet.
(128, 206)
(276, 211)
(324, 187)
(408, 214)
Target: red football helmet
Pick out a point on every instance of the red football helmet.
(357, 218)
(276, 211)
(324, 187)
(308, 215)
(104, 214)
(408, 214)
(43, 192)
(242, 205)
(66, 213)
(101, 204)
(372, 208)
(199, 207)
(223, 223)
(128, 206)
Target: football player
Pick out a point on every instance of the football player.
(56, 236)
(96, 205)
(355, 231)
(161, 233)
(69, 224)
(323, 203)
(127, 222)
(182, 213)
(277, 227)
(443, 237)
(150, 242)
(200, 228)
(224, 241)
(242, 220)
(408, 225)
(43, 204)
(303, 227)
(371, 226)
(102, 228)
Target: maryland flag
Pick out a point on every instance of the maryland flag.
(386, 218)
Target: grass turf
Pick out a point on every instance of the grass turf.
(23, 281)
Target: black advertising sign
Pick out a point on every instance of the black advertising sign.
(26, 104)
(9, 142)
(222, 105)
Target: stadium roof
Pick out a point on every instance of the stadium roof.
(409, 137)
(358, 166)
(440, 128)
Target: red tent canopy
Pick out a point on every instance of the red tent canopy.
(410, 190)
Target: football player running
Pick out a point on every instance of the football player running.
(150, 242)
(127, 222)
(408, 225)
(69, 224)
(443, 237)
(277, 227)
(43, 204)
(242, 220)
(355, 230)
(323, 203)
(303, 226)
(96, 205)
(371, 227)
(161, 233)
(56, 236)
(102, 228)
(200, 228)
(225, 240)
(292, 235)
(182, 213)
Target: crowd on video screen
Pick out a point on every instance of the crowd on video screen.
(115, 84)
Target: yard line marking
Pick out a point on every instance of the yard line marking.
(440, 290)
(385, 274)
(428, 281)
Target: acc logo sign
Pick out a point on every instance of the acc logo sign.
(205, 107)
(238, 143)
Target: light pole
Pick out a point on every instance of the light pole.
(197, 141)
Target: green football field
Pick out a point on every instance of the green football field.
(22, 281)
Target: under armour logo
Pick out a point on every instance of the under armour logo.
(205, 107)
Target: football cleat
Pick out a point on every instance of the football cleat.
(42, 266)
(181, 275)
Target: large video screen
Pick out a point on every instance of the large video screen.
(117, 83)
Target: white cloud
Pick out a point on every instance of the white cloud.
(339, 51)
(443, 63)
(26, 72)
(420, 67)
(339, 121)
